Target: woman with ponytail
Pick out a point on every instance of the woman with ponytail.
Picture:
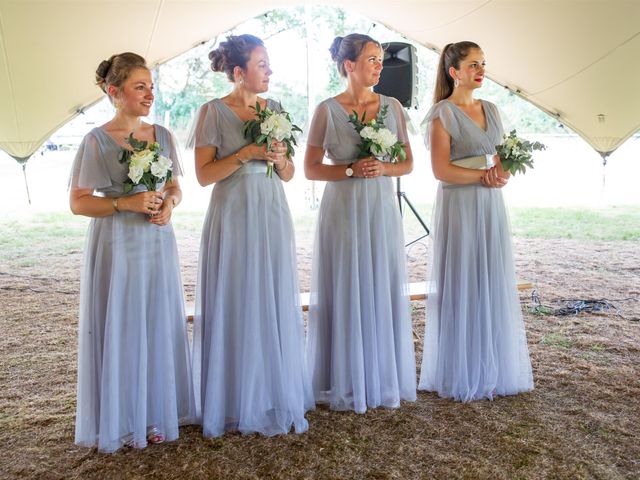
(360, 344)
(475, 345)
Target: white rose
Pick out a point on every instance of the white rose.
(142, 159)
(135, 173)
(160, 167)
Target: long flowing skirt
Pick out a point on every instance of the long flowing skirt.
(475, 345)
(134, 369)
(360, 344)
(249, 363)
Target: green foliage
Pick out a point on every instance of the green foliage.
(515, 153)
(145, 169)
(253, 130)
(369, 146)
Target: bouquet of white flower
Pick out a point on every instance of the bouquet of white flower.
(146, 165)
(515, 153)
(377, 140)
(269, 126)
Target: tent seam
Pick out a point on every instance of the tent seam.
(597, 60)
(462, 16)
(10, 80)
(155, 27)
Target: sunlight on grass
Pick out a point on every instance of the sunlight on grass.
(60, 233)
(613, 223)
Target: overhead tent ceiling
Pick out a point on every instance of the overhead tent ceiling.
(578, 60)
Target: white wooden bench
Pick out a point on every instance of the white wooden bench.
(417, 291)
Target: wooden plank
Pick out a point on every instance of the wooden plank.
(417, 291)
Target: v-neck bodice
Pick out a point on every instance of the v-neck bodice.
(484, 114)
(468, 139)
(217, 125)
(331, 130)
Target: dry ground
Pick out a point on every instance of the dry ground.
(581, 421)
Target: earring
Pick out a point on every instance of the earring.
(456, 82)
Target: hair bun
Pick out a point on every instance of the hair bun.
(334, 49)
(218, 59)
(103, 69)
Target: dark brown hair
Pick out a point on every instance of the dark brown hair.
(117, 69)
(349, 48)
(235, 52)
(451, 56)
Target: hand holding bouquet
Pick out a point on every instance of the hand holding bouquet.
(377, 140)
(146, 165)
(515, 153)
(270, 126)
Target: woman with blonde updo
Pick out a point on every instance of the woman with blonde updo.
(250, 373)
(134, 374)
(360, 344)
(474, 345)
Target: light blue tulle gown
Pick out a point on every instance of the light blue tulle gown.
(360, 344)
(248, 349)
(134, 368)
(475, 345)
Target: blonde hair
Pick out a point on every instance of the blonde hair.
(117, 69)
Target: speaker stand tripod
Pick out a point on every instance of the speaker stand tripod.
(403, 196)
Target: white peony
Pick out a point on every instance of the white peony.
(142, 159)
(386, 139)
(277, 126)
(135, 173)
(368, 133)
(160, 167)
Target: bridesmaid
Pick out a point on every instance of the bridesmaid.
(134, 372)
(360, 345)
(249, 367)
(475, 345)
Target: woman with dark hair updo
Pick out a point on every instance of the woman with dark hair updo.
(248, 345)
(360, 344)
(475, 345)
(134, 373)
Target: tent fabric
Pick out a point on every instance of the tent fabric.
(576, 60)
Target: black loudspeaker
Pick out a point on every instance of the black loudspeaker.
(399, 77)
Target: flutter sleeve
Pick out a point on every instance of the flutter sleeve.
(402, 119)
(170, 150)
(503, 121)
(322, 130)
(443, 112)
(89, 169)
(205, 131)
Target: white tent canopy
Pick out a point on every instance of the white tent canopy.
(577, 60)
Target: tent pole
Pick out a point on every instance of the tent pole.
(26, 185)
(22, 161)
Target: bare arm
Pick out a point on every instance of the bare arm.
(209, 170)
(83, 202)
(285, 169)
(443, 169)
(172, 197)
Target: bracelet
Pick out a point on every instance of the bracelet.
(237, 157)
(114, 203)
